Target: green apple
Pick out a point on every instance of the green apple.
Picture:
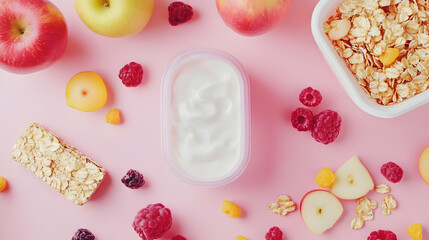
(115, 18)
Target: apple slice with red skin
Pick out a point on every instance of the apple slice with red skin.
(320, 210)
(33, 35)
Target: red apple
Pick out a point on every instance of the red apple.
(33, 35)
(252, 17)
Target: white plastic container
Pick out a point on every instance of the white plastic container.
(169, 139)
(323, 10)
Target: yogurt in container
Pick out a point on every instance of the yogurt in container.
(206, 117)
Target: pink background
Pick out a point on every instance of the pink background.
(284, 161)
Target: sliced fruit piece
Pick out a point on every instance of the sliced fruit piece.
(352, 180)
(424, 165)
(86, 92)
(320, 210)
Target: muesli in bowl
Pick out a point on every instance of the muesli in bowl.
(385, 44)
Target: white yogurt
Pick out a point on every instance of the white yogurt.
(206, 118)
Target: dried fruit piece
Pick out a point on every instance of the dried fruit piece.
(153, 221)
(179, 12)
(326, 126)
(231, 209)
(3, 183)
(339, 29)
(131, 74)
(83, 234)
(113, 116)
(382, 235)
(325, 178)
(274, 234)
(389, 56)
(392, 172)
(310, 97)
(133, 179)
(415, 231)
(382, 188)
(240, 238)
(302, 119)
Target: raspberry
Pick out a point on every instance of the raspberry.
(3, 183)
(133, 179)
(302, 119)
(179, 12)
(392, 172)
(274, 234)
(113, 116)
(415, 231)
(131, 74)
(382, 235)
(231, 209)
(153, 221)
(178, 237)
(83, 234)
(325, 178)
(310, 97)
(326, 126)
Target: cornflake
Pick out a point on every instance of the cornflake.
(376, 26)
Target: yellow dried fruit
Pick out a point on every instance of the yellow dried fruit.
(113, 116)
(389, 56)
(3, 183)
(325, 178)
(231, 209)
(240, 238)
(415, 231)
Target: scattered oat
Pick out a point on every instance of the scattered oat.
(283, 206)
(365, 211)
(357, 223)
(389, 203)
(382, 188)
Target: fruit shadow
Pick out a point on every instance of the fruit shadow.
(103, 189)
(75, 50)
(111, 96)
(266, 108)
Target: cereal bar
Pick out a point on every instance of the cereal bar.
(58, 164)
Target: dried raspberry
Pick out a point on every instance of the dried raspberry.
(302, 119)
(133, 179)
(178, 237)
(392, 172)
(179, 12)
(131, 74)
(83, 234)
(310, 97)
(274, 234)
(153, 221)
(382, 235)
(326, 126)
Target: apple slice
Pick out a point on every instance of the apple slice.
(424, 165)
(352, 180)
(320, 210)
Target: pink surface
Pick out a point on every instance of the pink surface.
(283, 161)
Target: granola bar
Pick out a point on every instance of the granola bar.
(58, 164)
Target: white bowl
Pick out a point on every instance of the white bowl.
(167, 85)
(323, 10)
